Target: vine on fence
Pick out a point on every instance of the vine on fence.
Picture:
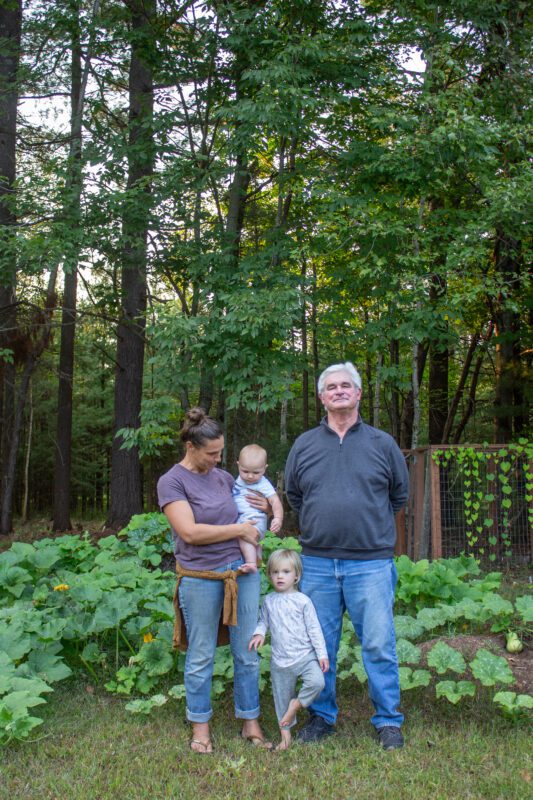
(489, 479)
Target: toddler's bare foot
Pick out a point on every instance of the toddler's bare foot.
(290, 714)
(286, 740)
(248, 567)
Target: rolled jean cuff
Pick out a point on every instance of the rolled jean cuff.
(204, 717)
(387, 724)
(253, 714)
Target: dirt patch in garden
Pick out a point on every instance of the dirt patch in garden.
(521, 664)
(42, 529)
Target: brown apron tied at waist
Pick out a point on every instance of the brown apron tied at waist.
(229, 610)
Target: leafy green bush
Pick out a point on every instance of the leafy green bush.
(68, 605)
(424, 584)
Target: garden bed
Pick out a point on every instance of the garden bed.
(521, 664)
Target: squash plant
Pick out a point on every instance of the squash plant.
(68, 606)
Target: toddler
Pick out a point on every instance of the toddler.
(252, 466)
(298, 646)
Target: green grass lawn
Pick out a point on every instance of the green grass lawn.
(90, 748)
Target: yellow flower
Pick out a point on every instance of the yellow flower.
(148, 638)
(61, 587)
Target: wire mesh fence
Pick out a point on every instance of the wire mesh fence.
(476, 500)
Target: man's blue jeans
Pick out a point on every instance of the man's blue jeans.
(366, 590)
(201, 602)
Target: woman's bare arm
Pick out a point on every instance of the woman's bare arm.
(181, 517)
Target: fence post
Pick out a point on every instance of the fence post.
(419, 489)
(529, 511)
(436, 527)
(400, 548)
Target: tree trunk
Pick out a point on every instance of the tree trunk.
(376, 405)
(286, 165)
(438, 367)
(10, 32)
(314, 329)
(470, 402)
(305, 373)
(416, 397)
(505, 93)
(61, 520)
(25, 498)
(460, 387)
(406, 422)
(36, 341)
(207, 388)
(508, 390)
(368, 396)
(283, 422)
(61, 516)
(236, 206)
(126, 481)
(394, 351)
(11, 461)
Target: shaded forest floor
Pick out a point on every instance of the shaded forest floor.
(41, 528)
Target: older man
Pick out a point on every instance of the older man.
(346, 480)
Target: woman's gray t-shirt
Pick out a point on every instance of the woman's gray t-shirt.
(209, 495)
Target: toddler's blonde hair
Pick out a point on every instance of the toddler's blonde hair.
(279, 556)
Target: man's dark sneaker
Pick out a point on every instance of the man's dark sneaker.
(317, 728)
(390, 738)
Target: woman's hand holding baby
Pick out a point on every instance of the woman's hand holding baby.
(249, 533)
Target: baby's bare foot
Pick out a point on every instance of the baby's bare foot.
(248, 567)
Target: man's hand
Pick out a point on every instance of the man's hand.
(324, 664)
(256, 641)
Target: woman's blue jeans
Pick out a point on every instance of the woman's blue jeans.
(201, 601)
(366, 590)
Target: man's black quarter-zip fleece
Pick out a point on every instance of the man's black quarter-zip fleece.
(347, 492)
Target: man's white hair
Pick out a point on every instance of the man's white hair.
(346, 367)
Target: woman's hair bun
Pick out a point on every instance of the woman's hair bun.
(195, 415)
(198, 427)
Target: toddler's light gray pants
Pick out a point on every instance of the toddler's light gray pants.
(284, 684)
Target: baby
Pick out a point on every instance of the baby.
(298, 646)
(252, 466)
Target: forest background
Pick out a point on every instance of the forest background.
(208, 202)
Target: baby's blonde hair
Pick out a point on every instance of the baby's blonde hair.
(279, 556)
(254, 452)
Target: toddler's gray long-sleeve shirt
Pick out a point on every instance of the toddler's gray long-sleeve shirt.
(295, 631)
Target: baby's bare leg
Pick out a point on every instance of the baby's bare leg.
(249, 553)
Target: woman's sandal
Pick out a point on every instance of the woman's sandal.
(207, 747)
(257, 741)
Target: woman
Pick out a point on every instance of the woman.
(196, 498)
